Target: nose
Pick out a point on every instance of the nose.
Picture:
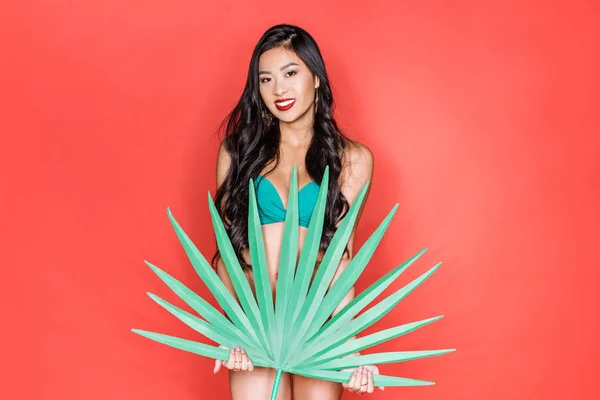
(279, 89)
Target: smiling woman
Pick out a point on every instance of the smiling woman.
(285, 117)
(293, 76)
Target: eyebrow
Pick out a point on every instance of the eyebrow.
(281, 69)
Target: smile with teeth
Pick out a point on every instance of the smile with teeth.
(284, 105)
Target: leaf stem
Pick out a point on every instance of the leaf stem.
(276, 384)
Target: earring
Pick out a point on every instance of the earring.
(317, 100)
(267, 118)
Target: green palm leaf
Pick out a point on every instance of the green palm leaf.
(295, 333)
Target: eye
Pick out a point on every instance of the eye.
(263, 80)
(291, 72)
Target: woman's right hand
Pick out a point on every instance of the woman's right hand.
(238, 361)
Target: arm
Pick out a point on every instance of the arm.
(355, 174)
(223, 164)
(238, 359)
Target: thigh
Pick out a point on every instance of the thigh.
(308, 388)
(258, 384)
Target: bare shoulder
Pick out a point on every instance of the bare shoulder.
(357, 167)
(223, 163)
(357, 170)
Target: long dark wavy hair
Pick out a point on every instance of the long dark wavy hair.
(252, 143)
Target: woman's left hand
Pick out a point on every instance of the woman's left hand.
(362, 379)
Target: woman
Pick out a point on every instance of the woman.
(285, 117)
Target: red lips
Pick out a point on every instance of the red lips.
(284, 108)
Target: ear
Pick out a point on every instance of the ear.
(317, 82)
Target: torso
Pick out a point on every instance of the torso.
(273, 232)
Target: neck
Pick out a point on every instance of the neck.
(299, 132)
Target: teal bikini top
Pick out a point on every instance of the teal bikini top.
(270, 206)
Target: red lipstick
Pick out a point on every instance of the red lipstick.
(286, 106)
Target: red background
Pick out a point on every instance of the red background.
(483, 119)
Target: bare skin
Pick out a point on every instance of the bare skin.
(295, 81)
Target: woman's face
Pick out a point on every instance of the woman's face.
(286, 84)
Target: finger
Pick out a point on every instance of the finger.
(358, 380)
(231, 361)
(350, 385)
(345, 384)
(370, 383)
(364, 381)
(238, 358)
(220, 362)
(244, 360)
(371, 368)
(376, 372)
(250, 364)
